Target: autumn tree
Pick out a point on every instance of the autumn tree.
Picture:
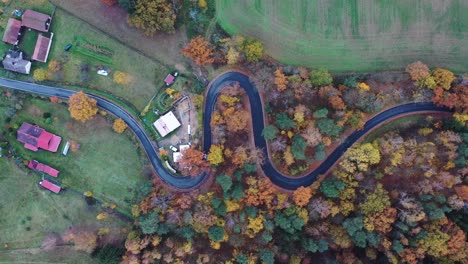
(417, 71)
(236, 120)
(253, 50)
(119, 126)
(40, 75)
(199, 50)
(192, 162)
(320, 77)
(82, 240)
(312, 135)
(232, 56)
(109, 2)
(302, 195)
(280, 79)
(122, 78)
(152, 16)
(216, 157)
(81, 107)
(336, 102)
(443, 78)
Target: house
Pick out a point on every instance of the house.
(169, 79)
(35, 20)
(35, 138)
(14, 61)
(176, 156)
(41, 51)
(35, 165)
(12, 31)
(166, 124)
(50, 186)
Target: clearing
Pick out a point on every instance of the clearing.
(354, 35)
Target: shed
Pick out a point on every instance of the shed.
(169, 79)
(50, 186)
(35, 20)
(12, 31)
(166, 124)
(35, 165)
(41, 51)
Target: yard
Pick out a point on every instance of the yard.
(29, 213)
(354, 35)
(145, 75)
(107, 164)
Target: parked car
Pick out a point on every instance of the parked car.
(68, 47)
(173, 148)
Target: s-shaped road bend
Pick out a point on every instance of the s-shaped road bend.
(186, 183)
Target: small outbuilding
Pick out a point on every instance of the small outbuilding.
(15, 62)
(12, 31)
(166, 124)
(41, 51)
(35, 20)
(35, 165)
(50, 186)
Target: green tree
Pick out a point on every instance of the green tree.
(225, 182)
(331, 187)
(376, 201)
(298, 147)
(128, 5)
(152, 16)
(149, 223)
(253, 50)
(216, 233)
(284, 122)
(327, 126)
(267, 256)
(269, 132)
(320, 77)
(321, 113)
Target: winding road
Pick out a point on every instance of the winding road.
(216, 86)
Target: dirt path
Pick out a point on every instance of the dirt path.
(164, 48)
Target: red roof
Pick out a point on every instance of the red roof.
(35, 165)
(41, 51)
(36, 20)
(169, 79)
(50, 186)
(35, 137)
(12, 31)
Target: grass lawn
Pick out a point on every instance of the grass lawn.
(107, 164)
(345, 36)
(62, 255)
(29, 212)
(80, 70)
(28, 42)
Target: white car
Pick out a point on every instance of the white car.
(173, 148)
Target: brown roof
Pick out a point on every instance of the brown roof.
(12, 31)
(41, 51)
(36, 20)
(14, 61)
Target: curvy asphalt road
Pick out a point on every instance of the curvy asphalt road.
(257, 120)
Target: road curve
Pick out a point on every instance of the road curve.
(217, 85)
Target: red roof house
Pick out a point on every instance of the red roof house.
(12, 31)
(35, 165)
(41, 51)
(169, 79)
(35, 138)
(50, 186)
(36, 20)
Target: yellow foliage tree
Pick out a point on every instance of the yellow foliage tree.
(229, 100)
(288, 156)
(122, 78)
(216, 157)
(119, 126)
(363, 86)
(202, 3)
(152, 16)
(280, 79)
(232, 56)
(40, 75)
(255, 225)
(81, 107)
(102, 216)
(443, 78)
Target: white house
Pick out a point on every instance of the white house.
(166, 124)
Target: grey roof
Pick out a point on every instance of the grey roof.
(14, 61)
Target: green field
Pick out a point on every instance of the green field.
(107, 164)
(366, 35)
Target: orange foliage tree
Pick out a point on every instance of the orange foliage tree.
(280, 79)
(81, 107)
(199, 50)
(417, 70)
(54, 99)
(119, 126)
(302, 195)
(192, 162)
(109, 2)
(336, 102)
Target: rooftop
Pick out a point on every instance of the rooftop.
(36, 20)
(12, 31)
(166, 124)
